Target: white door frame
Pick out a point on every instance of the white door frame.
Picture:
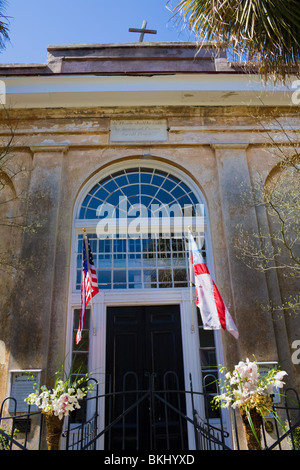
(189, 333)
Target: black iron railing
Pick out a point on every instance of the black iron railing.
(285, 422)
(16, 428)
(168, 425)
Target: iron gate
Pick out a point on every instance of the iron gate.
(168, 423)
(166, 427)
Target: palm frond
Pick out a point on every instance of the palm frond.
(4, 25)
(265, 31)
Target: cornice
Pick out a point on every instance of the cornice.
(50, 147)
(229, 145)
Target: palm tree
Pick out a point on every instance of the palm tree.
(263, 31)
(3, 25)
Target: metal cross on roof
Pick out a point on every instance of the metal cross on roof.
(142, 30)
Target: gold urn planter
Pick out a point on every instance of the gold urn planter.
(54, 427)
(252, 423)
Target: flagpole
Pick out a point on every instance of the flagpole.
(191, 294)
(191, 288)
(88, 264)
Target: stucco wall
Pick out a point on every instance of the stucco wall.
(221, 149)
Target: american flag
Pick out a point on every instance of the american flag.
(89, 284)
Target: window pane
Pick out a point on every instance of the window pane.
(105, 246)
(119, 261)
(119, 246)
(134, 245)
(110, 186)
(165, 278)
(150, 278)
(80, 363)
(80, 350)
(149, 245)
(180, 275)
(119, 276)
(104, 261)
(104, 279)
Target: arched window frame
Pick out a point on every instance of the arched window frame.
(91, 224)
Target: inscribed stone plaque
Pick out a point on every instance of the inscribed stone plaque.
(22, 384)
(128, 130)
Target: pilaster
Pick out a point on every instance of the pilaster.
(249, 288)
(33, 308)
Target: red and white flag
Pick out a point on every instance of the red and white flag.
(214, 313)
(89, 283)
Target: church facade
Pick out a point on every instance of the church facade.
(106, 138)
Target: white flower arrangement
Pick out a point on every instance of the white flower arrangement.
(63, 398)
(245, 388)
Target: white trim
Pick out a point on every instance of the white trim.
(171, 82)
(90, 90)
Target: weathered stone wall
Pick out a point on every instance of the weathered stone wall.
(221, 149)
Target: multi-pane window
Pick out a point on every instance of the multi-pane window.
(80, 351)
(209, 367)
(145, 259)
(150, 188)
(137, 263)
(80, 359)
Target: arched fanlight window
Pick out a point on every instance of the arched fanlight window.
(141, 215)
(151, 188)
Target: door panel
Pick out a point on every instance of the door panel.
(144, 352)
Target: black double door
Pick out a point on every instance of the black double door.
(144, 364)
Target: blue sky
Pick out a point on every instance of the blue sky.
(35, 24)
